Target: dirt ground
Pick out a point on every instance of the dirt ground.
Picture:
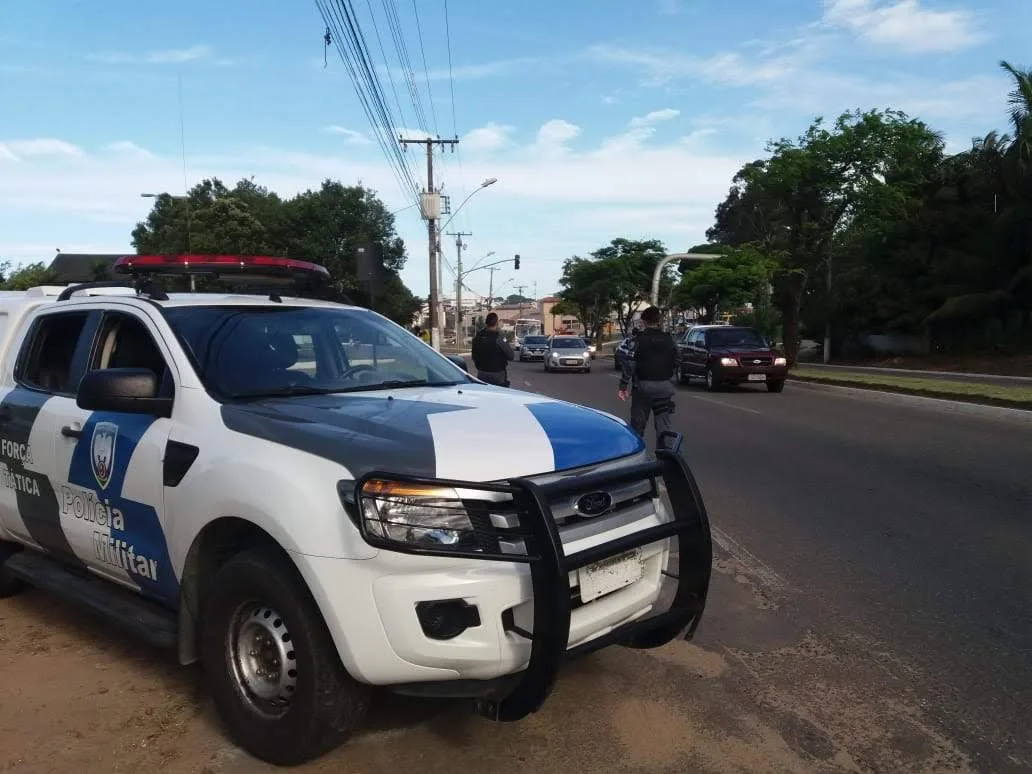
(761, 690)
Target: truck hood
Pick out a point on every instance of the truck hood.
(468, 432)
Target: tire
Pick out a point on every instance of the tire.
(9, 584)
(712, 381)
(319, 705)
(776, 386)
(682, 377)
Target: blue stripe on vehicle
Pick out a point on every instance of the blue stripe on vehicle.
(580, 436)
(136, 542)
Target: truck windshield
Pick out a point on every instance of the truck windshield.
(250, 352)
(734, 337)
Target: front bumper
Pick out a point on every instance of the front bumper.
(552, 627)
(743, 374)
(526, 354)
(569, 363)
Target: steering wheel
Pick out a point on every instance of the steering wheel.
(356, 369)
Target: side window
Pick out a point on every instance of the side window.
(125, 342)
(49, 352)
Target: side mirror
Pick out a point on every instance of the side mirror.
(460, 361)
(129, 390)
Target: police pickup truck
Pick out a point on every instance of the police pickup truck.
(312, 502)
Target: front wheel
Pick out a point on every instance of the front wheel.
(775, 386)
(273, 670)
(712, 382)
(9, 584)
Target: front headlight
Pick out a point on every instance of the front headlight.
(553, 355)
(587, 353)
(781, 361)
(730, 362)
(419, 515)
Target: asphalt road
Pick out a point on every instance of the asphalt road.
(869, 612)
(996, 379)
(899, 526)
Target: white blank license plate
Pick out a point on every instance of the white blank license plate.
(609, 575)
(571, 362)
(757, 377)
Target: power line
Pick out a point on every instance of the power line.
(451, 75)
(426, 69)
(405, 61)
(342, 21)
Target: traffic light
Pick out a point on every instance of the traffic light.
(516, 263)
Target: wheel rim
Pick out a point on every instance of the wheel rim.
(261, 653)
(709, 377)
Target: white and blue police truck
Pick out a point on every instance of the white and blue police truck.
(313, 503)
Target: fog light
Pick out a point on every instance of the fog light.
(446, 619)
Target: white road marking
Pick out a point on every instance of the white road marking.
(749, 561)
(726, 405)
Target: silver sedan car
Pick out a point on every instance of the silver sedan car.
(568, 353)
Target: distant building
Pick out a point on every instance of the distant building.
(81, 267)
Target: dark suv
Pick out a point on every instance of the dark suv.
(730, 354)
(533, 348)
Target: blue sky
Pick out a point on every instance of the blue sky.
(600, 119)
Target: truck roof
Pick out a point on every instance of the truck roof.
(48, 294)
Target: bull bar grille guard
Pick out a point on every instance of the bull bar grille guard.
(550, 566)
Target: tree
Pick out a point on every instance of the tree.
(725, 285)
(802, 202)
(628, 266)
(587, 293)
(324, 226)
(25, 277)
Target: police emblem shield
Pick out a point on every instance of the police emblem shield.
(102, 451)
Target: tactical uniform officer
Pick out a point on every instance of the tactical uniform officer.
(650, 372)
(492, 353)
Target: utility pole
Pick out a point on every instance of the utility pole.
(490, 288)
(519, 314)
(431, 207)
(459, 338)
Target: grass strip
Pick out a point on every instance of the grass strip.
(972, 392)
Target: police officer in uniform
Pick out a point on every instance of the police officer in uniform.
(492, 353)
(650, 372)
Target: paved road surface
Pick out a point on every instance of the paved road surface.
(869, 612)
(997, 379)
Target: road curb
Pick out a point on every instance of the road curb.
(887, 371)
(1000, 408)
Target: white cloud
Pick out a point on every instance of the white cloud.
(37, 148)
(93, 198)
(491, 137)
(482, 70)
(655, 116)
(350, 136)
(661, 67)
(163, 56)
(905, 24)
(557, 132)
(127, 147)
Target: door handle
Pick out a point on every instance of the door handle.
(71, 432)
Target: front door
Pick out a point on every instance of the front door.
(110, 494)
